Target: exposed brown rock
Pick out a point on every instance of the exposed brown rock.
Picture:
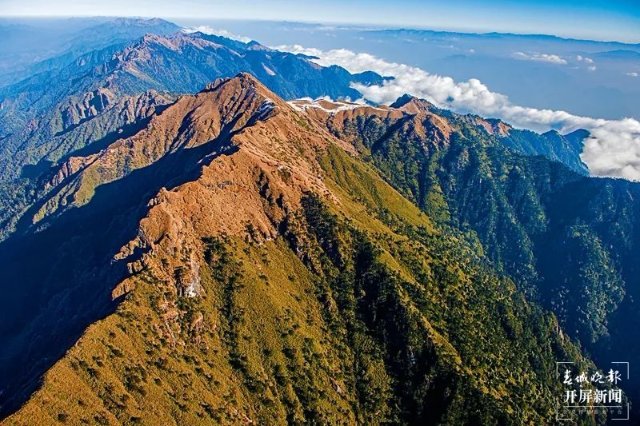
(411, 114)
(252, 162)
(493, 127)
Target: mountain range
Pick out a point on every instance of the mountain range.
(100, 94)
(198, 230)
(584, 77)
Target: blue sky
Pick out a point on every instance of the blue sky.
(597, 19)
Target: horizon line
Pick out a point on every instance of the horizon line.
(377, 26)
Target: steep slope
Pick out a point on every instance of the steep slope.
(569, 241)
(101, 117)
(552, 145)
(271, 277)
(565, 149)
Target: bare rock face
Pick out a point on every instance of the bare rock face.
(250, 160)
(90, 105)
(250, 177)
(188, 278)
(493, 127)
(232, 160)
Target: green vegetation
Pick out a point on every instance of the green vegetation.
(570, 242)
(361, 312)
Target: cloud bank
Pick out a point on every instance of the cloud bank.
(540, 57)
(612, 150)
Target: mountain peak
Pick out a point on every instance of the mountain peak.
(224, 224)
(254, 45)
(402, 100)
(221, 112)
(243, 82)
(578, 134)
(412, 104)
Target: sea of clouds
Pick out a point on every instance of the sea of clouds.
(612, 150)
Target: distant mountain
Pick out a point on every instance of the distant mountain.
(599, 90)
(35, 46)
(501, 35)
(236, 263)
(619, 54)
(565, 149)
(179, 63)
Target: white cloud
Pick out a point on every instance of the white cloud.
(540, 57)
(205, 29)
(633, 74)
(584, 59)
(588, 61)
(612, 150)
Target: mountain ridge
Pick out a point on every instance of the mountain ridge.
(273, 253)
(567, 239)
(169, 65)
(191, 230)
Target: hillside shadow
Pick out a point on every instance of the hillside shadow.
(45, 169)
(57, 281)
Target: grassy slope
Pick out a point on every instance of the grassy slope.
(380, 317)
